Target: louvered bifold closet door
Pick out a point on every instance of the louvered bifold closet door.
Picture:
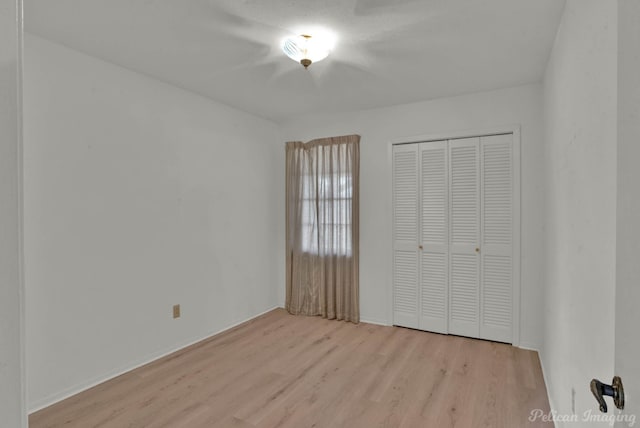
(434, 254)
(497, 181)
(464, 260)
(405, 236)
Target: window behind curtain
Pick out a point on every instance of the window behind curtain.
(326, 214)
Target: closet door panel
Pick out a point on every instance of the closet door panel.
(434, 237)
(405, 236)
(405, 299)
(464, 307)
(464, 212)
(497, 237)
(497, 300)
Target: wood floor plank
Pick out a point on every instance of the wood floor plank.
(280, 370)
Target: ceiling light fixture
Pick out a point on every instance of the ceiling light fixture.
(306, 49)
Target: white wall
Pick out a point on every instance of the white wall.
(515, 106)
(628, 207)
(12, 412)
(580, 200)
(138, 196)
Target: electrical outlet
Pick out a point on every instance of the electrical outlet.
(176, 311)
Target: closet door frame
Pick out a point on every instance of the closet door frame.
(509, 129)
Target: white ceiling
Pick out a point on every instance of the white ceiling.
(388, 51)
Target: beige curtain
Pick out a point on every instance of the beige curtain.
(323, 227)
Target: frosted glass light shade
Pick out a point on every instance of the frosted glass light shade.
(306, 49)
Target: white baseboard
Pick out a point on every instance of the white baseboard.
(529, 347)
(365, 320)
(552, 408)
(83, 386)
(375, 321)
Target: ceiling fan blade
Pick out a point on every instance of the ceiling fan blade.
(267, 59)
(370, 7)
(230, 24)
(285, 75)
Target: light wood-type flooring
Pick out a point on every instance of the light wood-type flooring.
(280, 370)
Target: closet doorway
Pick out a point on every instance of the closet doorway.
(456, 235)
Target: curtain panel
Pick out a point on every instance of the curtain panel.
(322, 227)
